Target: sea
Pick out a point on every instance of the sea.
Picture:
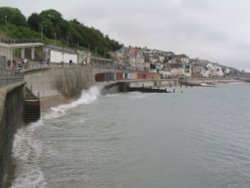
(194, 138)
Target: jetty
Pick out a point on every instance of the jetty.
(147, 90)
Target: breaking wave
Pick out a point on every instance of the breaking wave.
(87, 97)
(28, 148)
(26, 153)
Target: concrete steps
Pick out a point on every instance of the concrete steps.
(31, 111)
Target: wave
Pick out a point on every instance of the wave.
(139, 95)
(113, 95)
(26, 153)
(87, 97)
(27, 148)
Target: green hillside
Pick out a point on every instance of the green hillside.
(50, 27)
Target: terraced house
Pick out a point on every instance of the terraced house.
(131, 57)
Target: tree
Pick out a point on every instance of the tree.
(12, 16)
(34, 21)
(54, 16)
(51, 23)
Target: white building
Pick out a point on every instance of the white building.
(212, 70)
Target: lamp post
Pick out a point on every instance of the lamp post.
(42, 33)
(96, 50)
(104, 52)
(6, 19)
(67, 38)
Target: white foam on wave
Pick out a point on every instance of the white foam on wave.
(27, 148)
(139, 95)
(113, 95)
(87, 97)
(26, 153)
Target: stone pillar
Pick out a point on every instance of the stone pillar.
(33, 53)
(23, 53)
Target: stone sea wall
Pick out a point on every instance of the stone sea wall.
(50, 82)
(67, 82)
(11, 113)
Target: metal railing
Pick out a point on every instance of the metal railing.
(9, 77)
(37, 65)
(44, 65)
(16, 73)
(18, 41)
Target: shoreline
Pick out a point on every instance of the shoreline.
(48, 102)
(52, 101)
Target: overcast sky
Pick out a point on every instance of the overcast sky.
(216, 30)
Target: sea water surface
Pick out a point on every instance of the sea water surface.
(196, 138)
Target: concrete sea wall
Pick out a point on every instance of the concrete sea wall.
(11, 113)
(49, 82)
(67, 82)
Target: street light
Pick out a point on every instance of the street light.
(104, 52)
(96, 49)
(42, 33)
(67, 38)
(6, 19)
